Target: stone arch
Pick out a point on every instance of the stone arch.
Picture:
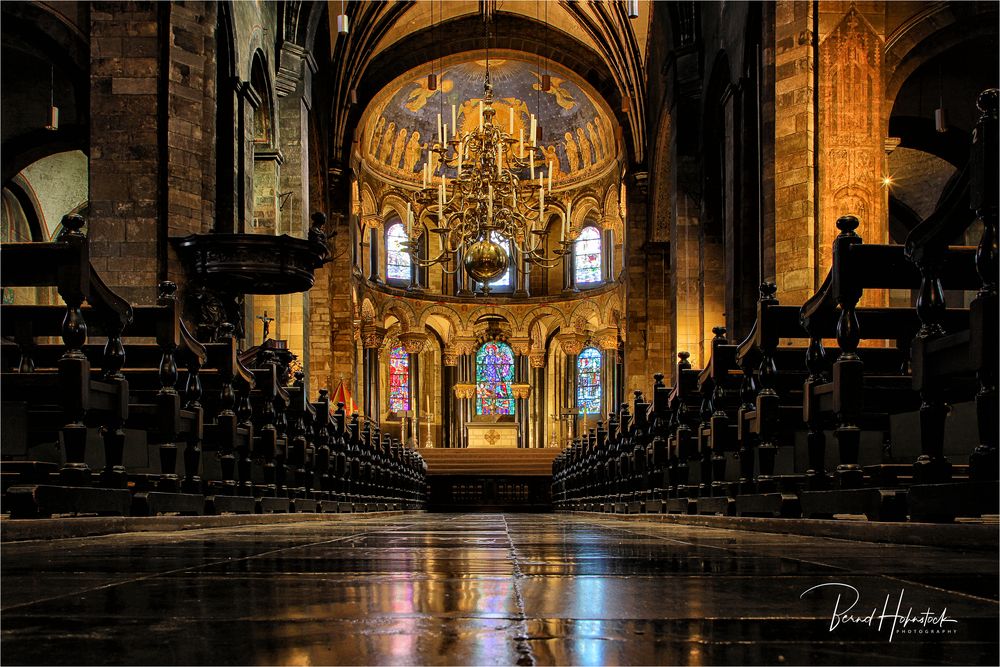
(541, 311)
(392, 203)
(535, 319)
(611, 217)
(450, 314)
(584, 207)
(928, 33)
(401, 310)
(254, 45)
(368, 310)
(261, 82)
(588, 311)
(494, 310)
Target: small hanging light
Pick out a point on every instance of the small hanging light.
(546, 82)
(432, 81)
(342, 22)
(633, 9)
(940, 115)
(53, 123)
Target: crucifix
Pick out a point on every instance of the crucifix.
(267, 325)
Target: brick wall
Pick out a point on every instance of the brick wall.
(124, 164)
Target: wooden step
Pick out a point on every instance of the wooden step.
(490, 462)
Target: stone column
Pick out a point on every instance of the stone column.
(461, 277)
(521, 345)
(536, 361)
(571, 345)
(413, 342)
(449, 407)
(249, 102)
(608, 255)
(416, 272)
(520, 279)
(374, 274)
(372, 338)
(608, 340)
(569, 270)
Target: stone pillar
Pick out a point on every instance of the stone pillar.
(794, 152)
(151, 176)
(536, 361)
(249, 101)
(850, 136)
(521, 345)
(372, 338)
(571, 345)
(413, 342)
(461, 277)
(569, 270)
(608, 255)
(449, 407)
(374, 274)
(520, 278)
(608, 340)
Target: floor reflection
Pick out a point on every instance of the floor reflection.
(475, 590)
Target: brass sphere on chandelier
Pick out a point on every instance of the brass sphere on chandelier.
(486, 261)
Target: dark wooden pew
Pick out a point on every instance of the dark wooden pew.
(68, 395)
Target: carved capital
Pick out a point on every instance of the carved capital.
(570, 343)
(607, 338)
(537, 360)
(465, 345)
(372, 337)
(520, 344)
(413, 341)
(464, 390)
(449, 358)
(521, 390)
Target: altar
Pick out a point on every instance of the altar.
(492, 434)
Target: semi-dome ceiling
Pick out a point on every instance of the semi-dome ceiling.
(578, 133)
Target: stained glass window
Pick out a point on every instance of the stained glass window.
(399, 380)
(587, 256)
(397, 260)
(588, 381)
(494, 375)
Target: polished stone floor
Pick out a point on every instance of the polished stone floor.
(485, 589)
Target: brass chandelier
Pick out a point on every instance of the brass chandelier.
(486, 190)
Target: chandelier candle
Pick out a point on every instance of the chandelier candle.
(486, 208)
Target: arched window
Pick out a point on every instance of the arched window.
(587, 256)
(494, 375)
(588, 381)
(397, 260)
(399, 380)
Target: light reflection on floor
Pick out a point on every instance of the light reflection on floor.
(476, 590)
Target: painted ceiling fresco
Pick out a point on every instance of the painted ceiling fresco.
(577, 135)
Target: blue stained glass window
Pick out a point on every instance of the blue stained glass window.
(587, 256)
(399, 380)
(494, 376)
(588, 381)
(397, 260)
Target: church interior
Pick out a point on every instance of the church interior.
(499, 332)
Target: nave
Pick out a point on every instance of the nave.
(483, 589)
